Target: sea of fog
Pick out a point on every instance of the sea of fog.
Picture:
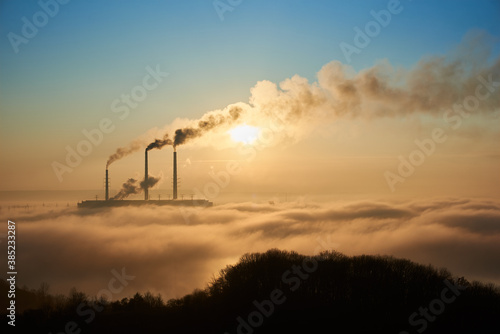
(174, 250)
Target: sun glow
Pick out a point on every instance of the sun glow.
(244, 134)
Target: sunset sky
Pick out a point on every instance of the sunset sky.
(368, 127)
(72, 73)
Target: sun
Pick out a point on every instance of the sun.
(244, 134)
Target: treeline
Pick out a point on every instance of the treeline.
(285, 292)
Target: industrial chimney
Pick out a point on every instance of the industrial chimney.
(175, 174)
(107, 185)
(146, 186)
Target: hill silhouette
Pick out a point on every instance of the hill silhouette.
(284, 292)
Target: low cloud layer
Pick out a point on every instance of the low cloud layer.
(173, 251)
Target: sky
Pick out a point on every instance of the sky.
(368, 127)
(73, 70)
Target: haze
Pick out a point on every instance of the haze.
(305, 135)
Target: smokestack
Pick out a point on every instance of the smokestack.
(107, 185)
(146, 188)
(175, 174)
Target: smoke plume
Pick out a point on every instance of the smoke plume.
(207, 123)
(121, 152)
(128, 188)
(431, 86)
(159, 143)
(150, 182)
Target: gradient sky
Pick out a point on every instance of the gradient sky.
(64, 80)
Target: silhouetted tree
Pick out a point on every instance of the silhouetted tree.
(358, 294)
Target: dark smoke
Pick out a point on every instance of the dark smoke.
(159, 143)
(128, 188)
(150, 182)
(206, 124)
(182, 135)
(432, 86)
(124, 151)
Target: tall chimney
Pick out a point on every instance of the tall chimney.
(146, 190)
(175, 174)
(107, 185)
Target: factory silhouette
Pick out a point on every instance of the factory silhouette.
(129, 188)
(208, 122)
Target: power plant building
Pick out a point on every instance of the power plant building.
(174, 201)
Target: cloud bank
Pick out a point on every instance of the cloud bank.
(173, 251)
